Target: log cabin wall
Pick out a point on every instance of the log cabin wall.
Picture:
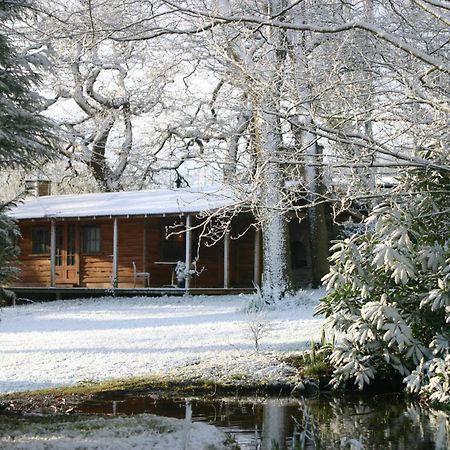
(96, 267)
(142, 240)
(242, 252)
(300, 253)
(209, 262)
(165, 247)
(131, 243)
(211, 258)
(34, 268)
(93, 269)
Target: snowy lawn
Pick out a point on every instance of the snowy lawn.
(65, 342)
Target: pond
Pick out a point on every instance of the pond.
(369, 421)
(387, 421)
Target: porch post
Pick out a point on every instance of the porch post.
(53, 253)
(188, 253)
(257, 258)
(115, 261)
(145, 246)
(226, 260)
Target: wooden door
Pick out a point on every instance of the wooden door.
(67, 255)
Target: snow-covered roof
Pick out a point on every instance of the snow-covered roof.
(130, 203)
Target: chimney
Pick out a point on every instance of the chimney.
(38, 188)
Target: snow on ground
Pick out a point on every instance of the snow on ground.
(141, 432)
(65, 342)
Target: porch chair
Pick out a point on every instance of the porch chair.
(144, 275)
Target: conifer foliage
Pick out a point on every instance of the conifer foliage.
(9, 250)
(389, 288)
(25, 135)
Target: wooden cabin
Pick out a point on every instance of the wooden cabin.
(104, 240)
(137, 239)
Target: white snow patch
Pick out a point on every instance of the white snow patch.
(153, 202)
(66, 342)
(141, 432)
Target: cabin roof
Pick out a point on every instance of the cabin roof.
(128, 203)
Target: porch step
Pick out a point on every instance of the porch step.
(42, 294)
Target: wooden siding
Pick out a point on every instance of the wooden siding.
(131, 242)
(95, 270)
(35, 269)
(242, 252)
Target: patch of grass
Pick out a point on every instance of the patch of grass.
(238, 377)
(320, 369)
(314, 363)
(135, 384)
(311, 364)
(62, 398)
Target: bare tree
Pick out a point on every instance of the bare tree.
(102, 90)
(303, 105)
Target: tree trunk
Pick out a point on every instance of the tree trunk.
(275, 233)
(306, 140)
(275, 282)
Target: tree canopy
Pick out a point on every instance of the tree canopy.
(25, 135)
(303, 107)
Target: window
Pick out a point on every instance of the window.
(91, 239)
(71, 249)
(172, 248)
(59, 245)
(299, 257)
(40, 241)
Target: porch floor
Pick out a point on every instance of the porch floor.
(61, 293)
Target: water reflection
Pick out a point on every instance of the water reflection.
(328, 422)
(381, 422)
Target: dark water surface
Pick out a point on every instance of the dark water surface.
(375, 422)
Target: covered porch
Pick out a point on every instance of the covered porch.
(133, 240)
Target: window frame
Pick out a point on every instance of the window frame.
(173, 248)
(43, 242)
(96, 239)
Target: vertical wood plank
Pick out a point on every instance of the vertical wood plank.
(53, 253)
(188, 248)
(115, 271)
(145, 246)
(226, 260)
(257, 258)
